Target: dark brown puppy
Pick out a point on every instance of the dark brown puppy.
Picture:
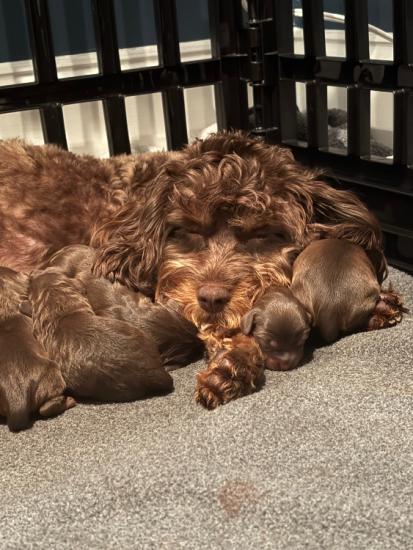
(175, 336)
(102, 359)
(29, 381)
(334, 289)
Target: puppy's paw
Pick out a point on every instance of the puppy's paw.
(57, 405)
(228, 377)
(388, 311)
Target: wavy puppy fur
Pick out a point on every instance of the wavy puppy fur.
(29, 382)
(102, 359)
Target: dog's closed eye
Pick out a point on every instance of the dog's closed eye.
(188, 238)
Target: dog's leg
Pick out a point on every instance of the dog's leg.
(231, 373)
(388, 311)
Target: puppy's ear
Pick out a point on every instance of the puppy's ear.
(130, 245)
(25, 307)
(248, 322)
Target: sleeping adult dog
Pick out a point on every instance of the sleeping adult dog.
(211, 227)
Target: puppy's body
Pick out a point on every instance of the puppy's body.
(337, 284)
(102, 359)
(29, 381)
(334, 289)
(175, 337)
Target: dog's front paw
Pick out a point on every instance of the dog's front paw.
(388, 311)
(229, 376)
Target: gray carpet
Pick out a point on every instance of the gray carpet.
(320, 458)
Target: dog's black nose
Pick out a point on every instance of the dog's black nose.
(213, 298)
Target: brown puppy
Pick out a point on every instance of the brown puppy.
(29, 381)
(334, 289)
(102, 359)
(176, 337)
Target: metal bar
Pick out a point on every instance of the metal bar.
(106, 40)
(44, 65)
(358, 119)
(116, 125)
(357, 30)
(231, 100)
(317, 125)
(175, 119)
(313, 20)
(167, 32)
(108, 60)
(403, 31)
(53, 127)
(403, 127)
(44, 62)
(283, 15)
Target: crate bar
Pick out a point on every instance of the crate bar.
(262, 48)
(287, 103)
(169, 57)
(53, 126)
(358, 121)
(95, 87)
(357, 30)
(317, 115)
(313, 22)
(231, 99)
(403, 31)
(108, 60)
(403, 127)
(44, 65)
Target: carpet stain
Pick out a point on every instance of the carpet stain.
(236, 496)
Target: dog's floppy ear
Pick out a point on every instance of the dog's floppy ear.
(130, 244)
(248, 322)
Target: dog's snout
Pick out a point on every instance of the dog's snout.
(213, 298)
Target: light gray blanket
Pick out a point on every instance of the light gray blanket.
(321, 457)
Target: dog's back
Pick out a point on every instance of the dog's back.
(337, 283)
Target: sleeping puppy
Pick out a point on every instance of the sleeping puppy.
(100, 358)
(29, 382)
(334, 290)
(176, 338)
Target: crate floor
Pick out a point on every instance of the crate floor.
(320, 458)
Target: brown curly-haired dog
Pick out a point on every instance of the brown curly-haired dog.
(211, 227)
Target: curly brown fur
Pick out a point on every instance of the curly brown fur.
(29, 382)
(210, 227)
(102, 359)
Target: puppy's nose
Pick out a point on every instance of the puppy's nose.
(213, 298)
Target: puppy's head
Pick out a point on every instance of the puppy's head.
(281, 326)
